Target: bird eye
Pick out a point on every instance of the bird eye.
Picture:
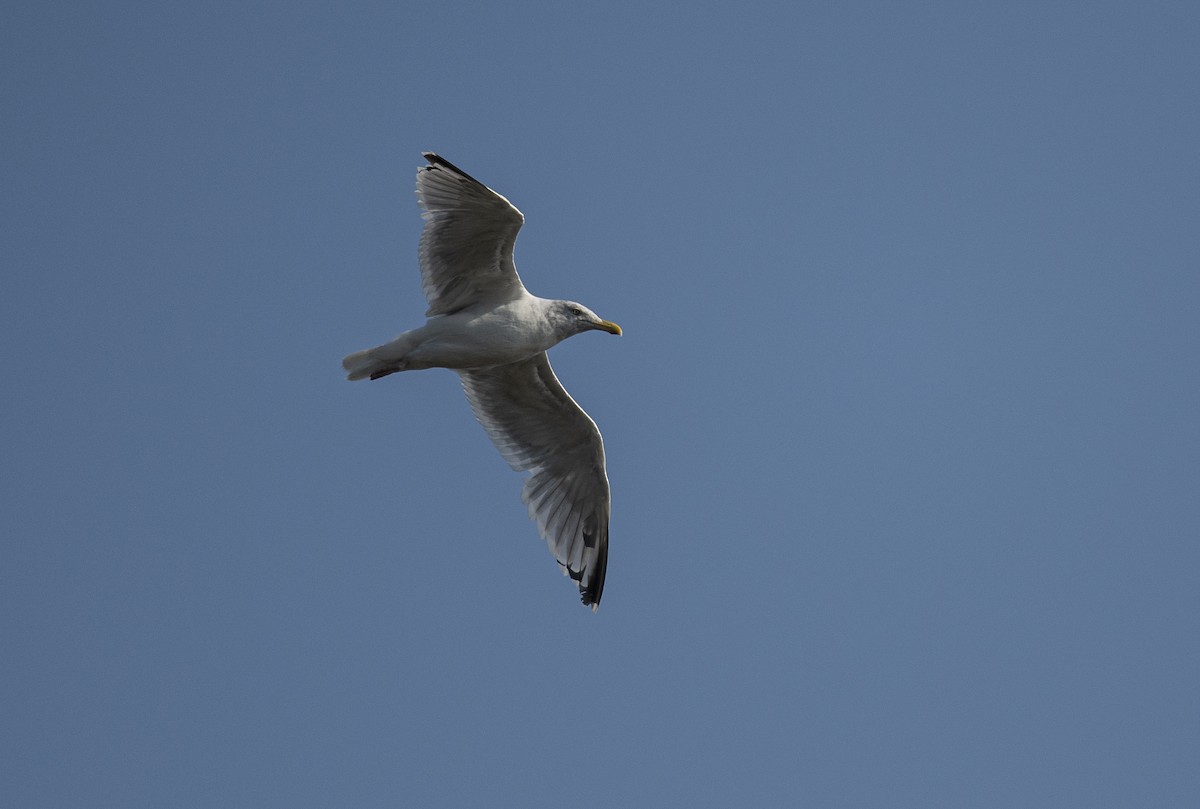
(575, 310)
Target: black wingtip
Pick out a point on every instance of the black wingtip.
(590, 595)
(436, 159)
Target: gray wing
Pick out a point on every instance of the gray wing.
(466, 249)
(538, 428)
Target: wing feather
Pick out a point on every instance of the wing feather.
(466, 248)
(539, 429)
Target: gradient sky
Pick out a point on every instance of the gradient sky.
(903, 433)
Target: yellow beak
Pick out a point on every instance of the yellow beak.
(609, 326)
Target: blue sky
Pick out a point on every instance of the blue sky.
(902, 431)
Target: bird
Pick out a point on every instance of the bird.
(485, 325)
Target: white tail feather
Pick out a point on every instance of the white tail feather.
(361, 364)
(378, 361)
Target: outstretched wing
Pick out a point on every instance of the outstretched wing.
(466, 249)
(538, 428)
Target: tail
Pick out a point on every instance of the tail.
(374, 362)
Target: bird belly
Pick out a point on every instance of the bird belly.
(462, 342)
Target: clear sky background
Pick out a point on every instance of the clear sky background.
(903, 433)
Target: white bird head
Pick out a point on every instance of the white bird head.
(574, 318)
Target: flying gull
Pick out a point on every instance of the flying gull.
(485, 325)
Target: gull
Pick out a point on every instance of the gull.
(485, 325)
